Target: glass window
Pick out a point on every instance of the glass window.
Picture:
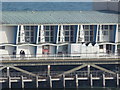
(86, 26)
(51, 39)
(72, 27)
(26, 33)
(2, 47)
(106, 27)
(91, 32)
(46, 27)
(86, 32)
(111, 27)
(91, 39)
(32, 33)
(86, 38)
(66, 32)
(52, 27)
(71, 38)
(47, 39)
(66, 38)
(66, 27)
(91, 27)
(46, 33)
(101, 46)
(32, 39)
(105, 32)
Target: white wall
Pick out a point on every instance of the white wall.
(29, 50)
(7, 51)
(52, 49)
(7, 33)
(119, 36)
(75, 49)
(39, 51)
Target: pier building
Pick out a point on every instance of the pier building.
(73, 33)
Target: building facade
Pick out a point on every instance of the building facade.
(71, 33)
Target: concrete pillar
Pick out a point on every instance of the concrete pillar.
(103, 80)
(88, 67)
(63, 81)
(48, 70)
(76, 80)
(91, 80)
(36, 81)
(8, 71)
(117, 80)
(21, 82)
(9, 82)
(49, 80)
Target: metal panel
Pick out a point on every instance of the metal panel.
(59, 17)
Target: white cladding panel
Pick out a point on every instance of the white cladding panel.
(119, 36)
(52, 49)
(39, 51)
(7, 51)
(7, 33)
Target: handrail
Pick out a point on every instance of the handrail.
(57, 56)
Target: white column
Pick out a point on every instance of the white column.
(42, 34)
(22, 34)
(57, 39)
(62, 35)
(77, 33)
(82, 33)
(116, 39)
(18, 27)
(57, 34)
(97, 34)
(38, 29)
(101, 35)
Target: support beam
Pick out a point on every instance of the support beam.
(103, 69)
(23, 71)
(1, 68)
(72, 70)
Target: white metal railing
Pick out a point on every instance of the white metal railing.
(56, 56)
